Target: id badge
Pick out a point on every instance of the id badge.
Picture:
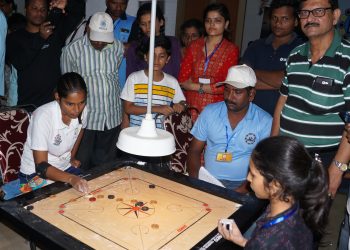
(224, 157)
(203, 80)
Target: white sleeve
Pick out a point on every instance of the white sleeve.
(84, 118)
(179, 95)
(128, 93)
(40, 133)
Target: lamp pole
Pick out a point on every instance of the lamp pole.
(151, 60)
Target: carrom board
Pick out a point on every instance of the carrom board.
(132, 209)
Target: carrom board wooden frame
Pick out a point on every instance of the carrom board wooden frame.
(131, 209)
(200, 202)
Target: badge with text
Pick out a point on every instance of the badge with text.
(203, 80)
(224, 157)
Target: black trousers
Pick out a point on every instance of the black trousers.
(98, 147)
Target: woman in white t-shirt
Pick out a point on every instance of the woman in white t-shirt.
(54, 135)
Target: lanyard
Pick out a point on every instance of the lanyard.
(280, 219)
(227, 139)
(207, 58)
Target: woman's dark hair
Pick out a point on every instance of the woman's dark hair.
(285, 160)
(136, 32)
(69, 83)
(159, 41)
(193, 22)
(223, 11)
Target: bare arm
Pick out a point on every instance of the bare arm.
(273, 79)
(56, 174)
(76, 163)
(194, 157)
(131, 108)
(189, 85)
(342, 155)
(277, 115)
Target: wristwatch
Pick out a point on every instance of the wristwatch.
(184, 104)
(200, 90)
(342, 166)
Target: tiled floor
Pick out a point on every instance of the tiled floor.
(10, 240)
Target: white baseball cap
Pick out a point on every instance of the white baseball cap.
(101, 28)
(240, 76)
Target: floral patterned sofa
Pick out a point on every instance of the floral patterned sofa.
(180, 126)
(13, 134)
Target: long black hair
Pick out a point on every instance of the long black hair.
(136, 32)
(285, 160)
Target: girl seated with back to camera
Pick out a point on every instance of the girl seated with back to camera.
(282, 171)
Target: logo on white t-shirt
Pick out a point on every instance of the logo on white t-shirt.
(57, 140)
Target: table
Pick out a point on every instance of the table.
(130, 207)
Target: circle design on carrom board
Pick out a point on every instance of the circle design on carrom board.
(139, 229)
(136, 210)
(30, 207)
(175, 208)
(132, 190)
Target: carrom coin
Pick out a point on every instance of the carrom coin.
(30, 207)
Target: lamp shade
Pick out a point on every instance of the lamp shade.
(146, 140)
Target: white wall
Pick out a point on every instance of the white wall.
(93, 6)
(252, 23)
(170, 6)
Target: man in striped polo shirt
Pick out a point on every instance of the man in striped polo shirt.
(316, 88)
(96, 57)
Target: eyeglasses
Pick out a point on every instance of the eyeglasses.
(318, 12)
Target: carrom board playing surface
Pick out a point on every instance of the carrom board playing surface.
(132, 209)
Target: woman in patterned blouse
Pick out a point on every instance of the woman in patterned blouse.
(282, 171)
(207, 60)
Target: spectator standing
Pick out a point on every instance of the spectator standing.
(143, 29)
(35, 50)
(268, 56)
(122, 29)
(207, 60)
(96, 57)
(190, 30)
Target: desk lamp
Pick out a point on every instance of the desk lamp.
(147, 140)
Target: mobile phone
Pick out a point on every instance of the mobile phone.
(54, 16)
(345, 116)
